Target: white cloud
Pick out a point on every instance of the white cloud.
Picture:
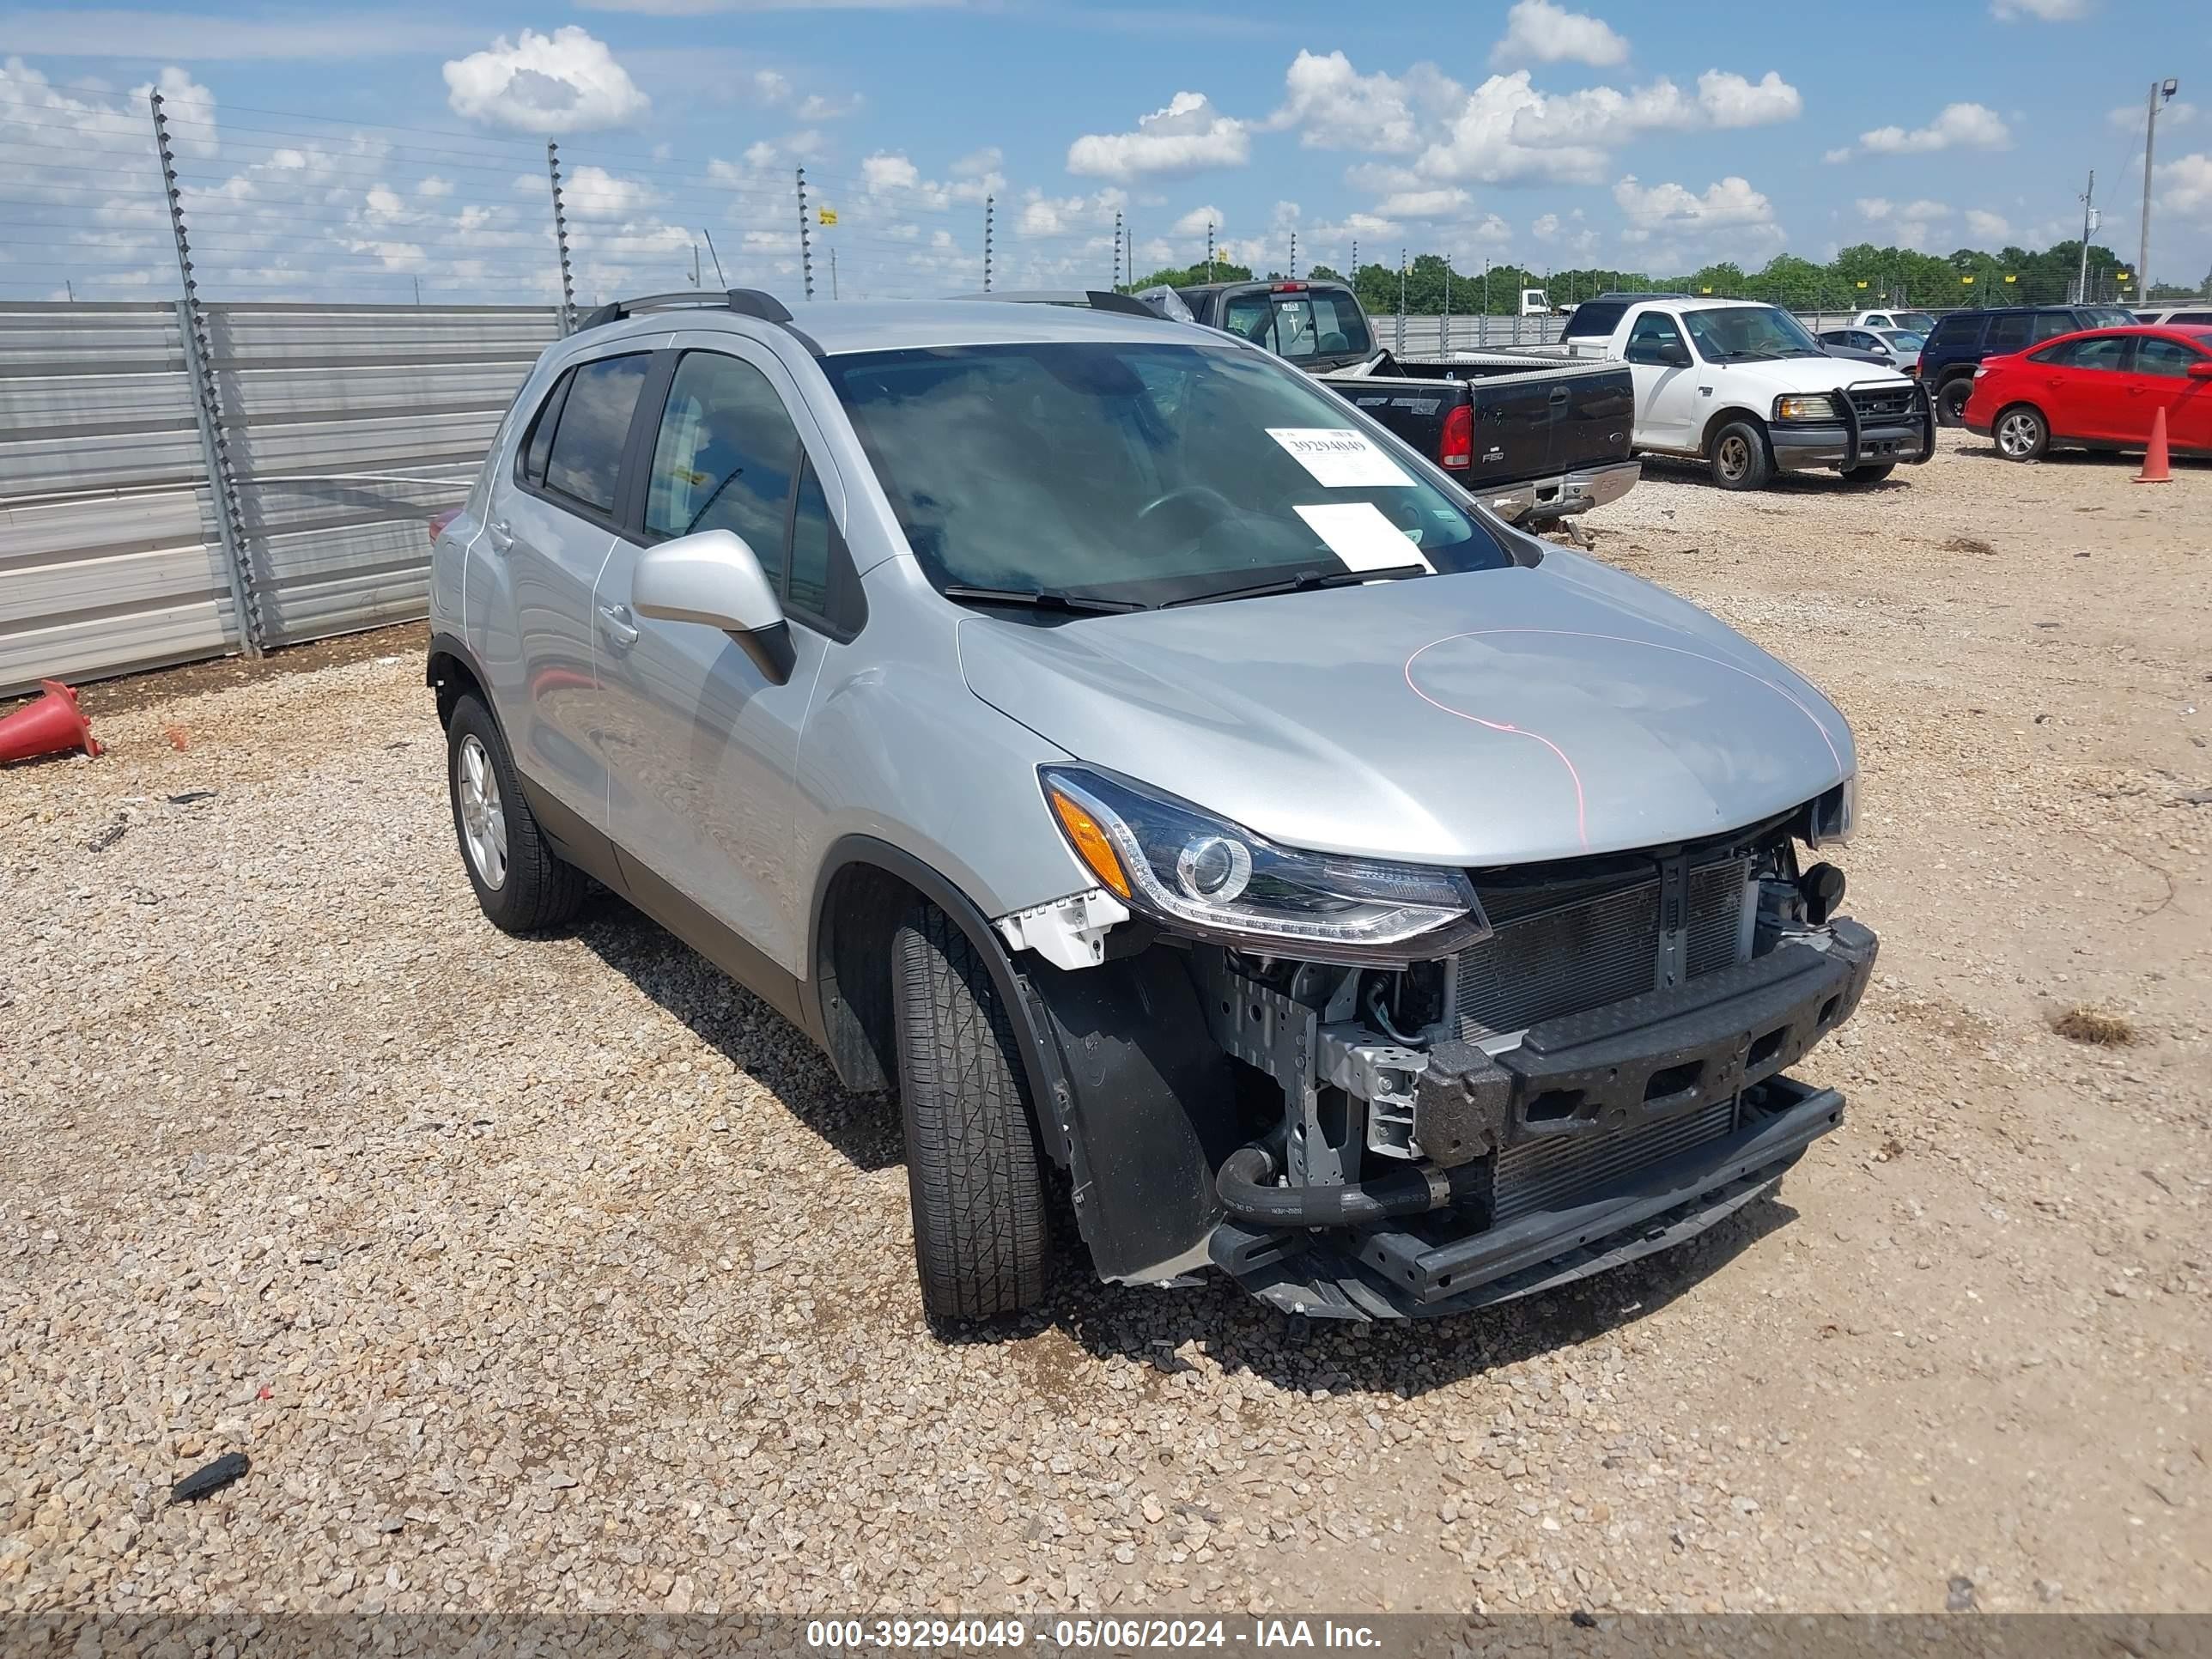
(1909, 223)
(593, 192)
(815, 107)
(2129, 118)
(884, 172)
(2184, 186)
(1188, 135)
(85, 31)
(1671, 210)
(891, 174)
(432, 187)
(1435, 203)
(1546, 228)
(760, 154)
(1841, 152)
(1506, 131)
(1960, 126)
(976, 163)
(2047, 11)
(1538, 31)
(1987, 225)
(566, 81)
(1193, 223)
(1051, 215)
(1729, 100)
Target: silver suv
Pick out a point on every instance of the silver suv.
(1102, 735)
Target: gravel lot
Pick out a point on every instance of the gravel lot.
(562, 1276)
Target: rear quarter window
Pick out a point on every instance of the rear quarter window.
(1596, 316)
(1956, 330)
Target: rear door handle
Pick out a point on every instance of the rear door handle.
(615, 624)
(501, 537)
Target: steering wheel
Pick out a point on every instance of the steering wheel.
(1193, 495)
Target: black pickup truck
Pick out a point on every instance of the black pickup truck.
(1533, 438)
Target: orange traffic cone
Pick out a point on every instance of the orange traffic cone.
(2155, 469)
(47, 726)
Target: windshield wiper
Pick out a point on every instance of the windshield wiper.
(1039, 598)
(1304, 581)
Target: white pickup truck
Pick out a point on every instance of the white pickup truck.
(1744, 388)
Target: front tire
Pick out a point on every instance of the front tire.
(981, 1242)
(522, 885)
(2021, 434)
(1873, 473)
(1739, 460)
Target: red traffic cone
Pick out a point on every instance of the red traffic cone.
(2155, 469)
(47, 726)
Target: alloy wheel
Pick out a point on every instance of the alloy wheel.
(483, 815)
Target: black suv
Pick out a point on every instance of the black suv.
(1962, 339)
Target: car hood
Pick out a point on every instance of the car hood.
(1489, 718)
(1822, 373)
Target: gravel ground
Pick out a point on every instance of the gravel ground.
(562, 1276)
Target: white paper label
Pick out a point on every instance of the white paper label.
(1338, 457)
(1357, 533)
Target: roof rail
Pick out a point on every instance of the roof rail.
(1628, 293)
(1092, 298)
(744, 302)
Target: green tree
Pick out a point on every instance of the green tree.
(1221, 270)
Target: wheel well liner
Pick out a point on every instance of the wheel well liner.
(1729, 417)
(1128, 1089)
(450, 670)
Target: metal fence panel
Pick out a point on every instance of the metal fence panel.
(348, 426)
(107, 559)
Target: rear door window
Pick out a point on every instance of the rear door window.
(1957, 331)
(2168, 357)
(585, 458)
(538, 444)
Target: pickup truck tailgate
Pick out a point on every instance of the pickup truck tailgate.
(1595, 420)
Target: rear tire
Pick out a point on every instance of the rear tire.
(980, 1240)
(1739, 460)
(522, 884)
(1951, 400)
(1873, 473)
(2021, 434)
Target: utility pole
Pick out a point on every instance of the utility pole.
(805, 242)
(2088, 224)
(2160, 91)
(1401, 301)
(988, 202)
(418, 290)
(695, 265)
(720, 280)
(561, 239)
(833, 273)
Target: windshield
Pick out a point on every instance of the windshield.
(1744, 334)
(1905, 338)
(1311, 323)
(1140, 472)
(2107, 317)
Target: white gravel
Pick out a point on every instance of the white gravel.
(562, 1276)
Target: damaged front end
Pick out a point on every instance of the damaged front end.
(1585, 1066)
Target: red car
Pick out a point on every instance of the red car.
(2098, 389)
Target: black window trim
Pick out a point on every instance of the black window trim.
(614, 521)
(844, 578)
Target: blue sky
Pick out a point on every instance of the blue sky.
(369, 151)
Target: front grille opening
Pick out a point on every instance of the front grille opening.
(1673, 1080)
(1555, 1105)
(1829, 1008)
(1769, 1046)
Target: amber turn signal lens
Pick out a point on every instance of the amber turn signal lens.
(1091, 843)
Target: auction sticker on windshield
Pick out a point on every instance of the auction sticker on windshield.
(1338, 457)
(1357, 533)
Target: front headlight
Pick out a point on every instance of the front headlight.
(1829, 820)
(1203, 875)
(1815, 406)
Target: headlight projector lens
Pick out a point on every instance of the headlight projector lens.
(1214, 868)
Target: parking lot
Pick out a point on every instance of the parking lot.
(562, 1275)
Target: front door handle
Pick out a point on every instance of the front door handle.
(615, 624)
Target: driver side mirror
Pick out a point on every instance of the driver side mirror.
(712, 578)
(2200, 371)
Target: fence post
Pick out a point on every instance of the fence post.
(989, 202)
(561, 239)
(207, 409)
(1401, 302)
(1117, 249)
(805, 239)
